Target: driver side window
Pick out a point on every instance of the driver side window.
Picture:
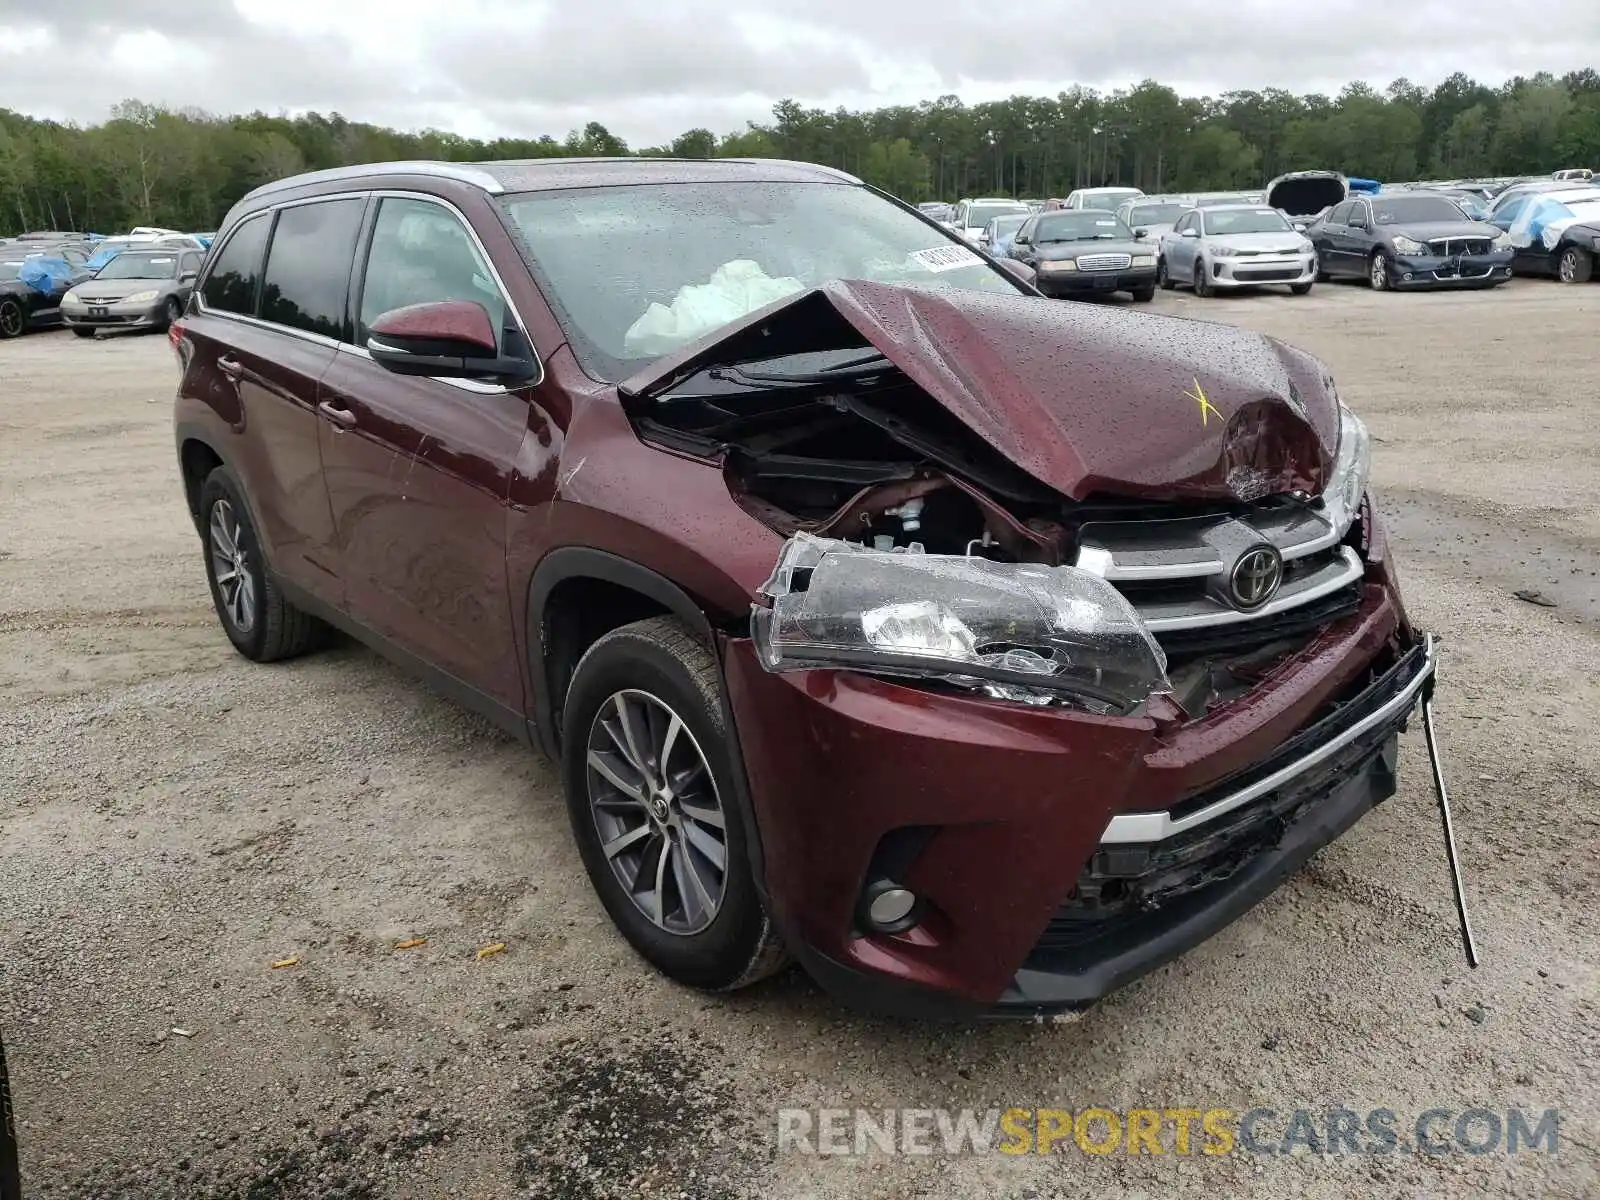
(421, 253)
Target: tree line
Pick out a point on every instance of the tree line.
(148, 165)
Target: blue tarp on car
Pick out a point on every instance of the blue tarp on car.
(104, 255)
(45, 274)
(1368, 187)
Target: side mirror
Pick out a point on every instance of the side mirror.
(1020, 269)
(1139, 235)
(450, 339)
(1019, 240)
(188, 277)
(1300, 226)
(1194, 233)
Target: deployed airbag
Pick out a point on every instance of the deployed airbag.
(735, 289)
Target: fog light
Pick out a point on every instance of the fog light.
(1407, 275)
(889, 908)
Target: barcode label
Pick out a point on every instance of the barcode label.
(945, 258)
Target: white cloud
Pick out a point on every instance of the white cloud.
(649, 70)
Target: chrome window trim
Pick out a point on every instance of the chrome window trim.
(470, 385)
(1130, 828)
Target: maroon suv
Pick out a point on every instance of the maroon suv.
(980, 651)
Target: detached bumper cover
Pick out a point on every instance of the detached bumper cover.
(1028, 907)
(1460, 270)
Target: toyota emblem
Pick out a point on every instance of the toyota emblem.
(1256, 577)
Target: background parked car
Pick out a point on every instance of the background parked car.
(139, 289)
(1106, 198)
(1468, 200)
(1558, 233)
(1086, 251)
(1411, 240)
(1304, 196)
(972, 215)
(32, 284)
(997, 234)
(1152, 216)
(1508, 205)
(1233, 246)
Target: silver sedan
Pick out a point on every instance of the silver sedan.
(1234, 246)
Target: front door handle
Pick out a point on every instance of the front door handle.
(342, 417)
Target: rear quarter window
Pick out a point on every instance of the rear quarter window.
(231, 285)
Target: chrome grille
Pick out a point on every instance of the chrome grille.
(1452, 246)
(1175, 571)
(1103, 262)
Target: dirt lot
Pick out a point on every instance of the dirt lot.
(175, 820)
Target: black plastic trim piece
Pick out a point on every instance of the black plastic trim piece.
(442, 682)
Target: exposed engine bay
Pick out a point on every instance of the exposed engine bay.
(855, 452)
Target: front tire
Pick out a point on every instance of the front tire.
(648, 771)
(1300, 289)
(261, 624)
(1166, 282)
(171, 313)
(1143, 295)
(1202, 281)
(12, 319)
(1378, 271)
(1576, 265)
(83, 333)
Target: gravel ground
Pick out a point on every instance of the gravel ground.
(176, 820)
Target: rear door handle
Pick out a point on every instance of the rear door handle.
(231, 367)
(342, 417)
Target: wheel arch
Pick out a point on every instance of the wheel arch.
(578, 594)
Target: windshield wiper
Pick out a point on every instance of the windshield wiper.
(850, 368)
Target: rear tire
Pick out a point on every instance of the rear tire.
(646, 755)
(261, 624)
(1576, 265)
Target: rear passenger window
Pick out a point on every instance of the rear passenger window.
(421, 253)
(231, 286)
(308, 266)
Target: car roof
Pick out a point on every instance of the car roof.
(550, 174)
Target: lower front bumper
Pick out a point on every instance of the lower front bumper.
(1059, 855)
(116, 318)
(1262, 271)
(1090, 283)
(1435, 271)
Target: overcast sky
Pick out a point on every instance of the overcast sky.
(649, 69)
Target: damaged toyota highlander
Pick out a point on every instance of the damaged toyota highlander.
(979, 652)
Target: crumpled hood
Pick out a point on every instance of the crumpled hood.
(1087, 399)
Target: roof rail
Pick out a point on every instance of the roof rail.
(461, 172)
(786, 162)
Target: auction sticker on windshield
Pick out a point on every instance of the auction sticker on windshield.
(944, 258)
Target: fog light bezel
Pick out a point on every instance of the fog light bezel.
(881, 890)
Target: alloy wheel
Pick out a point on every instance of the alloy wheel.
(1568, 267)
(11, 319)
(1379, 275)
(657, 812)
(232, 569)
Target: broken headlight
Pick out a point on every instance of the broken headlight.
(1341, 499)
(1015, 631)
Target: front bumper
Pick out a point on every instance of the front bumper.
(1011, 824)
(1439, 271)
(1255, 270)
(1082, 283)
(114, 316)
